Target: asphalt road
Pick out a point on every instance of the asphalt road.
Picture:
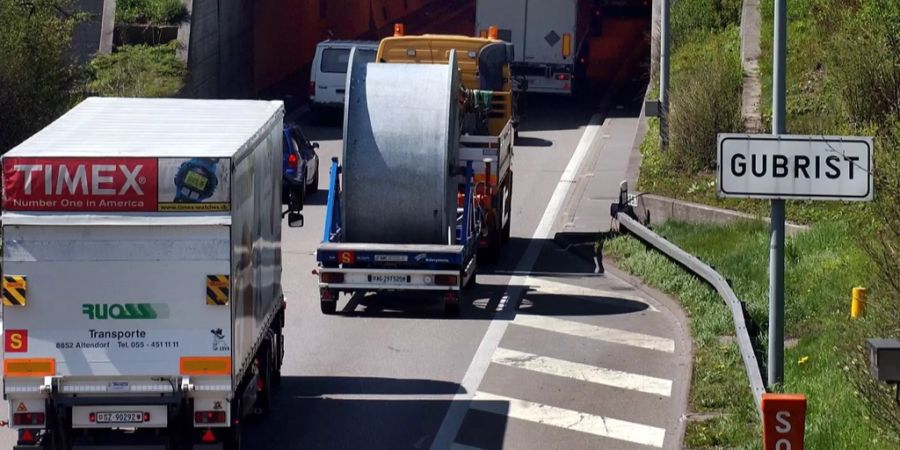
(545, 355)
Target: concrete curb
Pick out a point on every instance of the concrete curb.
(660, 209)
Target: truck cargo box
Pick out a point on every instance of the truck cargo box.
(141, 251)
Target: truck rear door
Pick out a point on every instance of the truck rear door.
(546, 26)
(509, 18)
(119, 301)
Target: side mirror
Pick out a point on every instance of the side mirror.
(315, 145)
(295, 220)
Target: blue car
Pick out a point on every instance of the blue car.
(300, 164)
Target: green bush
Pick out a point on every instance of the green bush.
(706, 98)
(156, 12)
(700, 17)
(137, 71)
(865, 61)
(38, 79)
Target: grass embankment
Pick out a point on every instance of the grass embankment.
(843, 78)
(822, 266)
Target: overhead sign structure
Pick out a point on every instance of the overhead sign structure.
(795, 167)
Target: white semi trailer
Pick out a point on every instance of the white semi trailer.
(550, 38)
(142, 302)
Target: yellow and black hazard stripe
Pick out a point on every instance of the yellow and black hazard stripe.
(14, 290)
(217, 289)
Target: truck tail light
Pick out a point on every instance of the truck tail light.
(399, 29)
(209, 417)
(312, 89)
(332, 278)
(25, 419)
(567, 45)
(26, 437)
(208, 436)
(563, 77)
(293, 160)
(146, 417)
(446, 280)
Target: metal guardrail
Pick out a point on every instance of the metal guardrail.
(718, 282)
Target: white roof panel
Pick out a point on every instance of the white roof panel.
(139, 127)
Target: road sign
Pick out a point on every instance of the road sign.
(795, 167)
(784, 420)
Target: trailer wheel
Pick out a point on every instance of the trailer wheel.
(506, 233)
(472, 281)
(491, 253)
(451, 309)
(328, 308)
(233, 437)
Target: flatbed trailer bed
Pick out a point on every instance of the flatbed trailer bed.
(352, 267)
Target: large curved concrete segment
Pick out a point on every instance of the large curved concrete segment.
(400, 142)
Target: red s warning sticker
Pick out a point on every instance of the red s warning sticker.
(16, 341)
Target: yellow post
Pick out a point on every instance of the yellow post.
(858, 302)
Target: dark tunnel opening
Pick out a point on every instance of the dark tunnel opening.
(614, 50)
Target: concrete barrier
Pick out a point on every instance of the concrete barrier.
(662, 209)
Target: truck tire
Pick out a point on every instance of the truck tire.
(472, 282)
(491, 253)
(328, 308)
(313, 187)
(506, 233)
(233, 438)
(451, 309)
(264, 397)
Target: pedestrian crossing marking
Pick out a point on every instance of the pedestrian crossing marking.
(598, 333)
(545, 286)
(583, 372)
(570, 420)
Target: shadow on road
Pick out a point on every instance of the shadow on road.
(363, 412)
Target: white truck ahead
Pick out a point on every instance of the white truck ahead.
(550, 38)
(142, 301)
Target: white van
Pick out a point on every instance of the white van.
(328, 76)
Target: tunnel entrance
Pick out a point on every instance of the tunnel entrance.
(610, 47)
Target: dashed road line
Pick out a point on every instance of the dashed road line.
(583, 372)
(478, 367)
(597, 333)
(570, 420)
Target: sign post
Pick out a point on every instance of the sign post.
(784, 420)
(776, 240)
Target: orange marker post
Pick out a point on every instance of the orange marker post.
(784, 421)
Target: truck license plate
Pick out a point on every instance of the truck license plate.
(389, 279)
(120, 417)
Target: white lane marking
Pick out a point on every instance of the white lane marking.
(554, 287)
(583, 372)
(594, 332)
(570, 420)
(446, 435)
(458, 446)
